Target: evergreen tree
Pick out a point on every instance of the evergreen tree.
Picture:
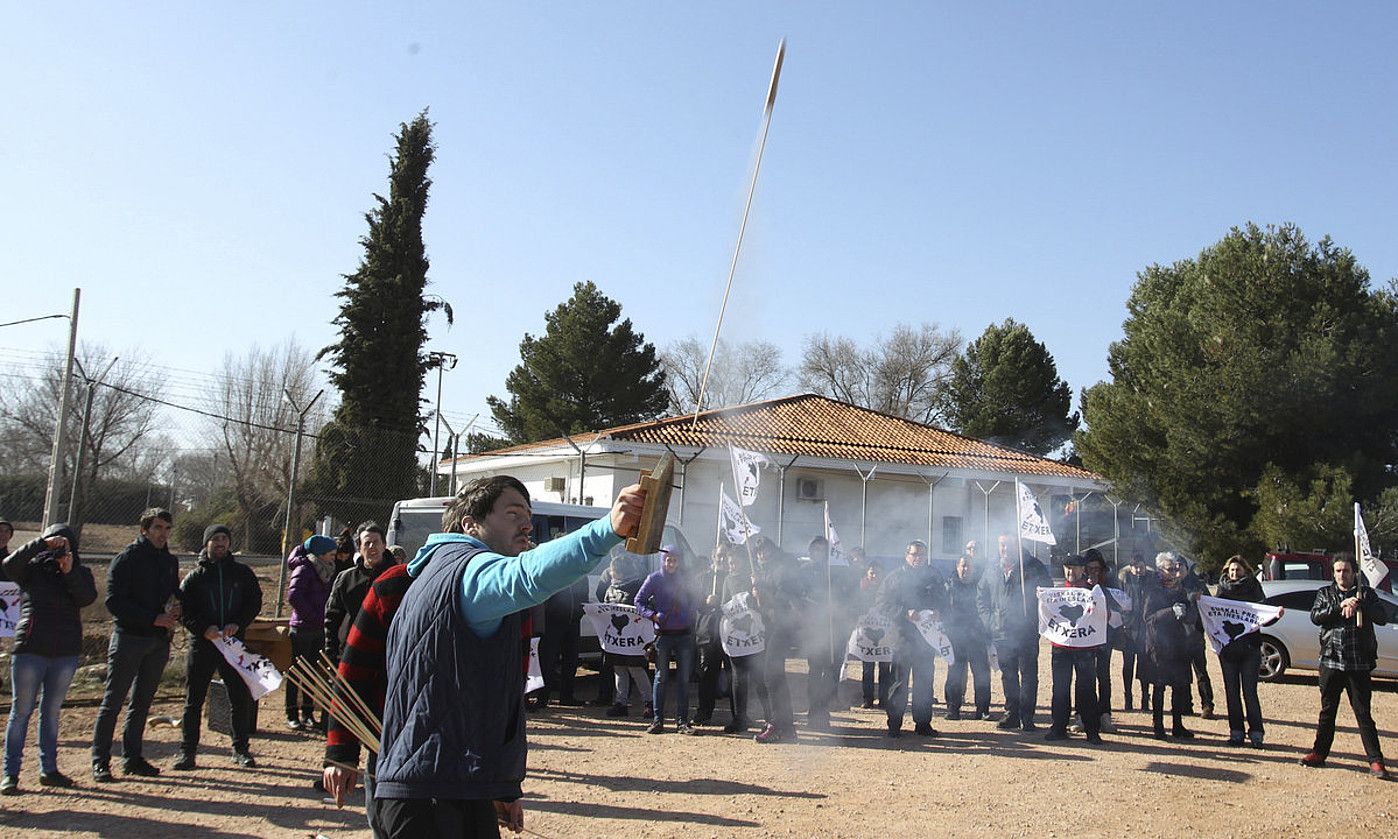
(1006, 389)
(586, 372)
(366, 456)
(1263, 350)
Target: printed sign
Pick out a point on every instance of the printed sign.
(931, 631)
(741, 628)
(260, 675)
(872, 638)
(1073, 617)
(1225, 621)
(620, 629)
(9, 609)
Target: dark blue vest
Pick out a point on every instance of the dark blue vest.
(453, 719)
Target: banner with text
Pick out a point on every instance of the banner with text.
(9, 609)
(1226, 621)
(931, 630)
(1033, 526)
(872, 638)
(1073, 617)
(620, 629)
(258, 673)
(741, 627)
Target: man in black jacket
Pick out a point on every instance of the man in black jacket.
(140, 582)
(1009, 607)
(1346, 613)
(350, 586)
(905, 592)
(220, 598)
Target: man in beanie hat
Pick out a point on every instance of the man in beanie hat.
(7, 532)
(141, 581)
(312, 565)
(220, 597)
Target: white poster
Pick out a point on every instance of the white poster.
(872, 638)
(9, 609)
(534, 679)
(1033, 526)
(1073, 617)
(733, 521)
(931, 630)
(260, 675)
(620, 629)
(1228, 620)
(741, 627)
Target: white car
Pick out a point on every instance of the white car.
(1293, 641)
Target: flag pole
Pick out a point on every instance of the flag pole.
(718, 532)
(1358, 572)
(743, 225)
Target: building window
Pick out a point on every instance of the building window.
(951, 535)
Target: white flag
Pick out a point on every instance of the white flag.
(1373, 570)
(872, 638)
(9, 609)
(747, 472)
(741, 630)
(1073, 617)
(620, 629)
(931, 630)
(733, 521)
(259, 674)
(1032, 524)
(837, 551)
(534, 677)
(1226, 621)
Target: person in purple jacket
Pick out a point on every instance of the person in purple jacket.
(665, 597)
(312, 565)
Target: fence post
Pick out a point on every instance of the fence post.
(291, 492)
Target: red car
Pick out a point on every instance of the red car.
(1313, 565)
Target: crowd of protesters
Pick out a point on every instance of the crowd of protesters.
(345, 593)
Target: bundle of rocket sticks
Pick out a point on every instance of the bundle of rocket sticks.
(331, 693)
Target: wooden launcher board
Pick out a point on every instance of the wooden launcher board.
(657, 483)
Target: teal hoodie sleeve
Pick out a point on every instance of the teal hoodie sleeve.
(493, 585)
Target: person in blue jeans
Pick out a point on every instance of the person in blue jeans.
(54, 587)
(665, 597)
(141, 581)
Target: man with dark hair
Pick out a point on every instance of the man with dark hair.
(1346, 612)
(140, 583)
(778, 590)
(7, 532)
(1009, 607)
(1070, 663)
(219, 598)
(453, 745)
(350, 586)
(910, 589)
(821, 640)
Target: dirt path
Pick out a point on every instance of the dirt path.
(594, 776)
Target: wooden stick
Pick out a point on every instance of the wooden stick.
(355, 699)
(322, 694)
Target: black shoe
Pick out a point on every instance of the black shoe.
(868, 703)
(818, 723)
(953, 715)
(656, 727)
(736, 727)
(245, 760)
(185, 762)
(1056, 734)
(1094, 738)
(702, 719)
(55, 779)
(139, 766)
(102, 773)
(925, 730)
(895, 733)
(984, 715)
(1007, 724)
(1159, 733)
(618, 710)
(1028, 726)
(1181, 733)
(571, 702)
(684, 727)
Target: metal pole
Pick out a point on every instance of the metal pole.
(864, 499)
(781, 497)
(931, 487)
(291, 490)
(60, 431)
(986, 523)
(450, 435)
(441, 359)
(1116, 531)
(174, 479)
(455, 452)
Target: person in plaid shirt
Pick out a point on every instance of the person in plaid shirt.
(1348, 654)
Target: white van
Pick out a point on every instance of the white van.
(415, 519)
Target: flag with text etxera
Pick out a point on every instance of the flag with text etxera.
(1225, 621)
(620, 629)
(1032, 524)
(747, 473)
(1073, 617)
(1374, 571)
(733, 521)
(837, 550)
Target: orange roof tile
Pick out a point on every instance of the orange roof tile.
(817, 426)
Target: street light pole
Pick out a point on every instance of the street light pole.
(60, 431)
(291, 489)
(92, 384)
(441, 358)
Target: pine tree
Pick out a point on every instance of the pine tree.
(366, 456)
(1006, 389)
(586, 372)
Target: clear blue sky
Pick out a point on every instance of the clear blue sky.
(201, 170)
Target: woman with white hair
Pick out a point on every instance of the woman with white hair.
(1168, 613)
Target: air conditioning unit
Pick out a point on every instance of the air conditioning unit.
(810, 489)
(555, 484)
